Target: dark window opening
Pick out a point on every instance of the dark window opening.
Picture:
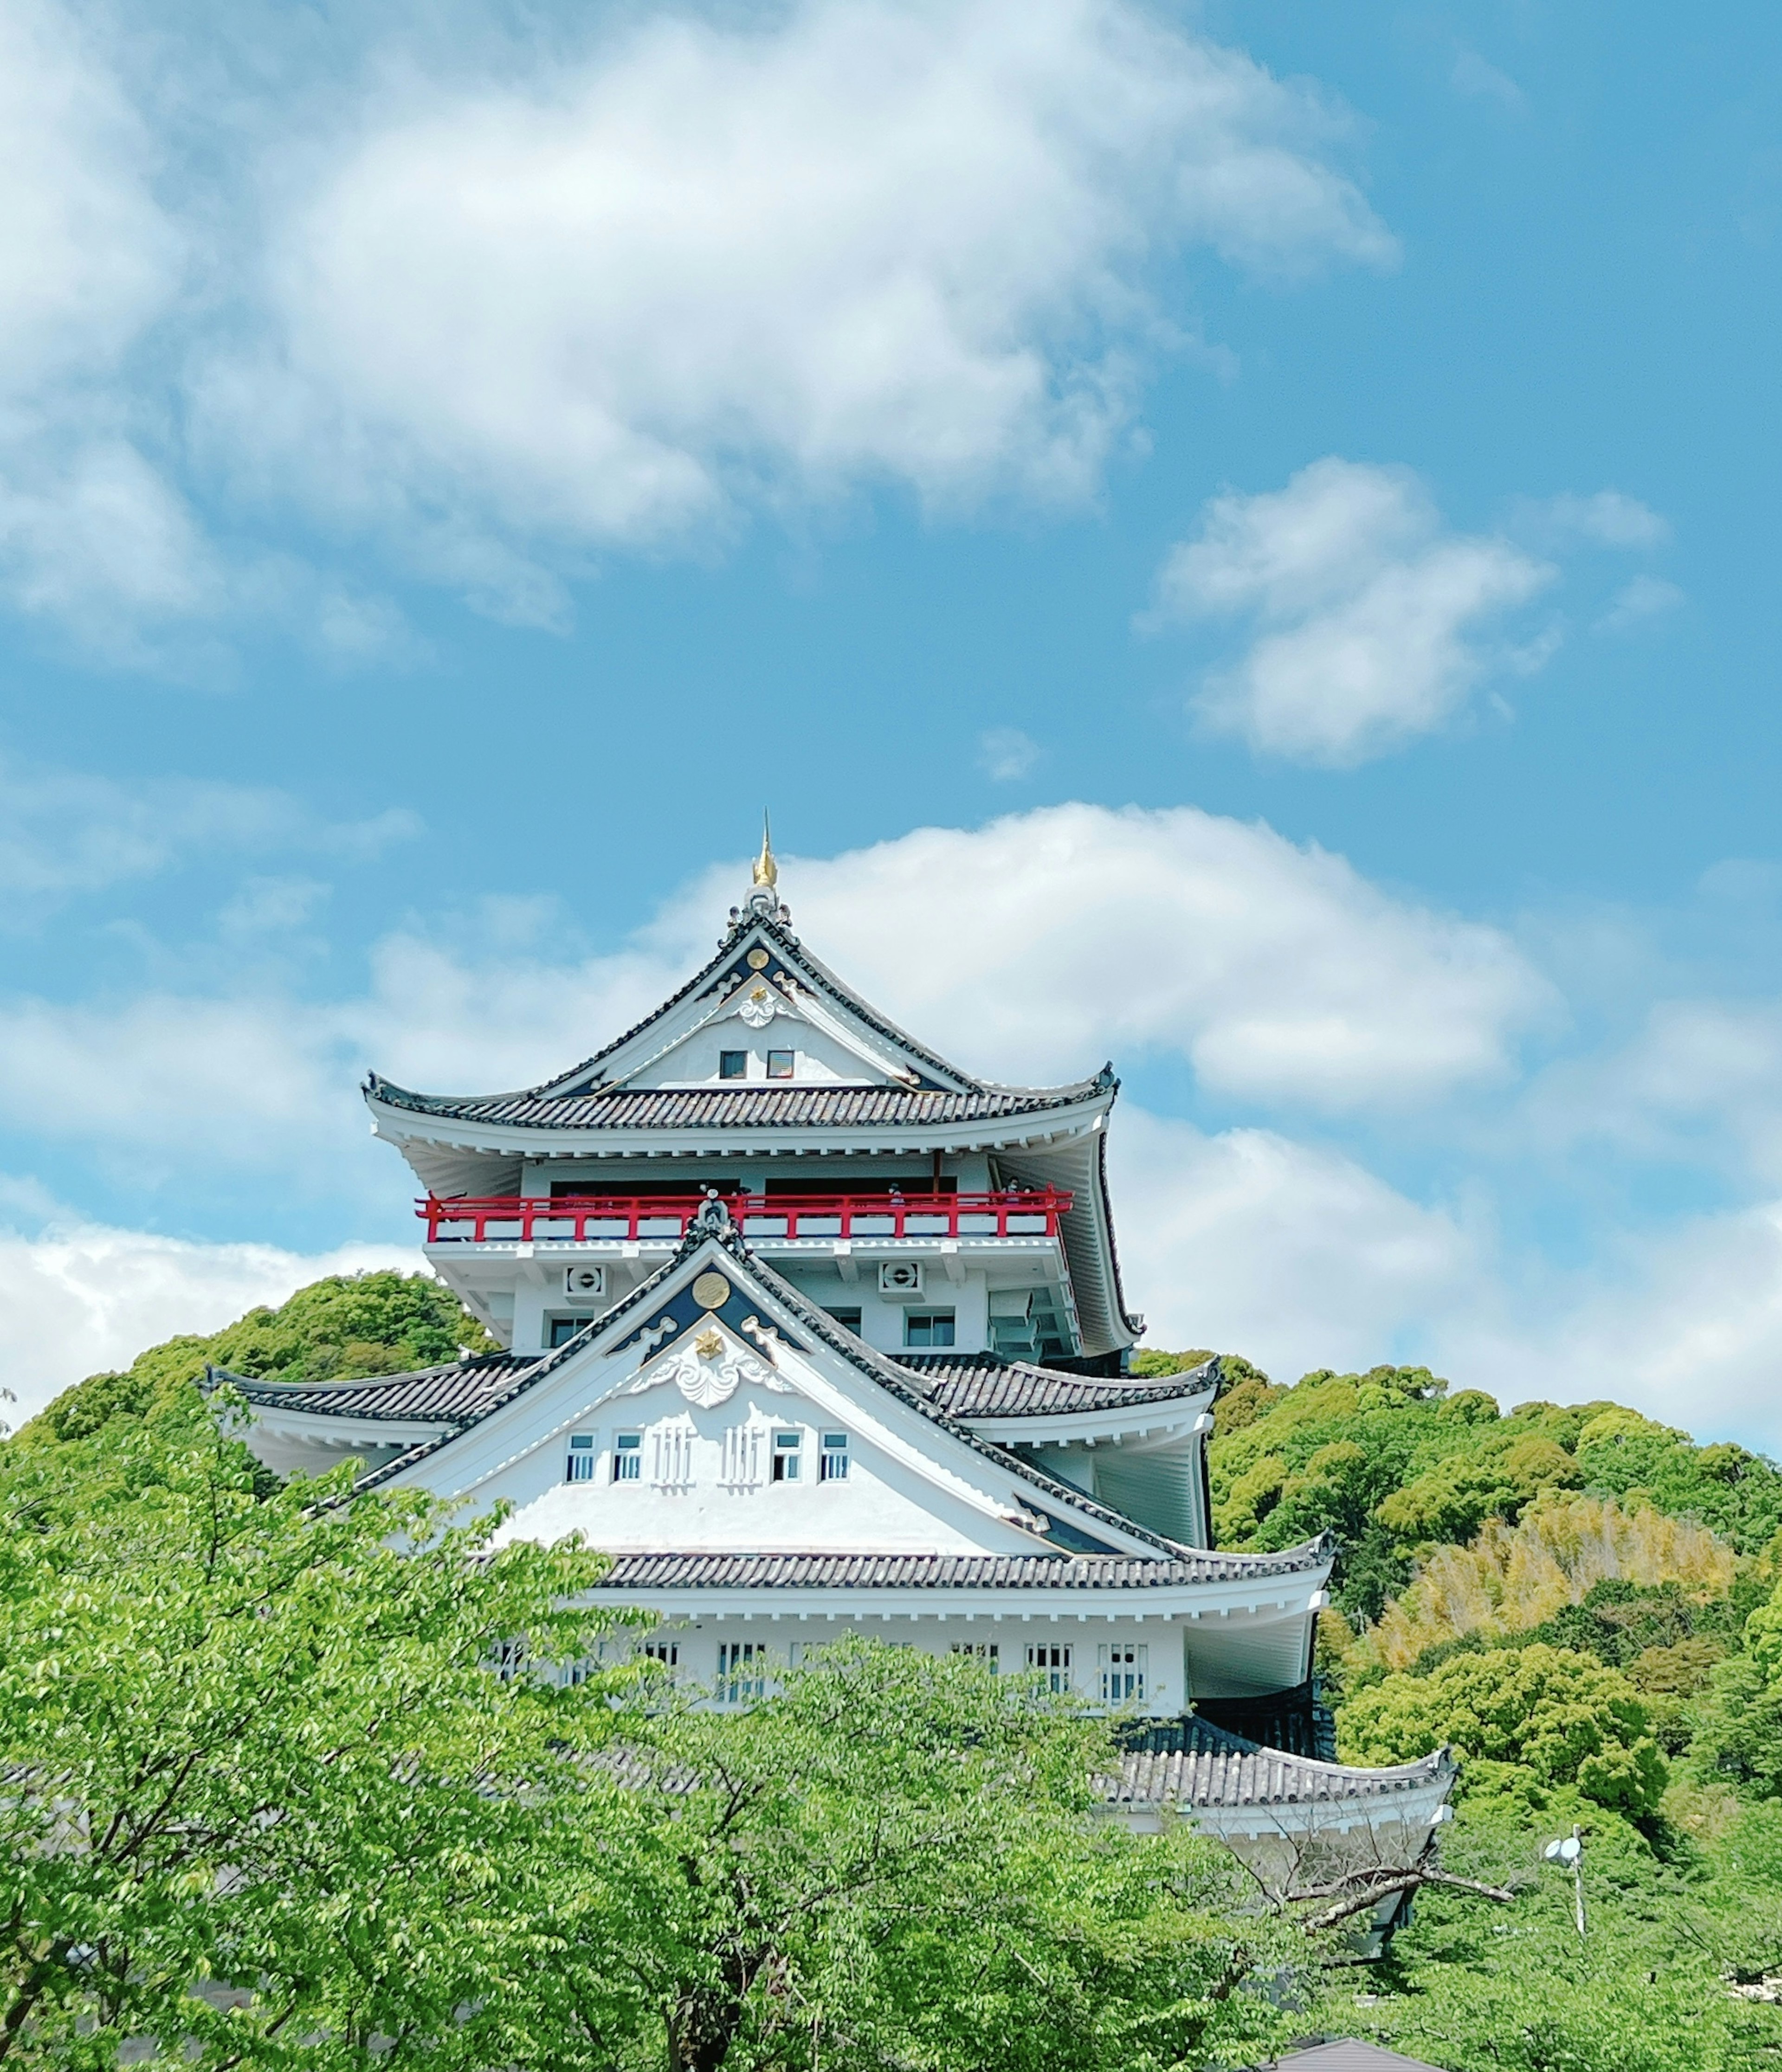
(928, 1327)
(623, 1190)
(733, 1064)
(563, 1328)
(850, 1318)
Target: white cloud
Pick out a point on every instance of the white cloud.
(64, 833)
(1295, 1256)
(716, 264)
(1036, 946)
(1646, 598)
(1007, 754)
(1480, 80)
(1371, 622)
(1607, 519)
(1683, 1322)
(81, 1299)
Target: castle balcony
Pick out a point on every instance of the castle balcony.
(817, 1219)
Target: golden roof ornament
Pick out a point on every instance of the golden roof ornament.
(762, 903)
(767, 871)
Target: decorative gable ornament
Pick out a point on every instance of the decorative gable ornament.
(758, 1007)
(707, 1370)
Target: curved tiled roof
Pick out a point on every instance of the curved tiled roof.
(1190, 1763)
(451, 1392)
(1099, 1573)
(985, 1385)
(752, 1107)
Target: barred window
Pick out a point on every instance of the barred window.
(986, 1651)
(741, 1671)
(832, 1467)
(580, 1465)
(628, 1457)
(1052, 1660)
(1123, 1665)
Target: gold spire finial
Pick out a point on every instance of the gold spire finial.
(767, 871)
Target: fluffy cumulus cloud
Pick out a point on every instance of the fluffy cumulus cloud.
(502, 297)
(717, 262)
(1291, 1254)
(82, 1298)
(1277, 970)
(1371, 622)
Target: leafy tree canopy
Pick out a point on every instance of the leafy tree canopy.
(1563, 1716)
(350, 1324)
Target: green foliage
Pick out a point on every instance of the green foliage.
(1393, 1463)
(892, 1862)
(253, 1740)
(1564, 1718)
(349, 1325)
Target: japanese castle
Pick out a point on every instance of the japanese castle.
(815, 1332)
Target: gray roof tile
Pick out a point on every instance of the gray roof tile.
(449, 1394)
(1098, 1574)
(734, 1107)
(1190, 1763)
(985, 1385)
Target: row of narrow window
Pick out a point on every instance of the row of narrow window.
(745, 1667)
(674, 1465)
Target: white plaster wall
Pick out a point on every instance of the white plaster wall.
(697, 1641)
(820, 1059)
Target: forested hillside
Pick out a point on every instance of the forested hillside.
(1586, 1604)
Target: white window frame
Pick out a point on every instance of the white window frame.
(627, 1456)
(581, 1458)
(788, 1448)
(832, 1457)
(741, 1671)
(1124, 1666)
(1051, 1660)
(989, 1652)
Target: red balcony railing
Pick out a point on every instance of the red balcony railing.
(577, 1219)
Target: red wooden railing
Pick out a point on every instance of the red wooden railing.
(577, 1219)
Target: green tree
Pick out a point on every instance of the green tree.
(893, 1862)
(255, 1742)
(350, 1324)
(1562, 1717)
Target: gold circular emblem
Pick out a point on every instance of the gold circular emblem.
(758, 960)
(711, 1291)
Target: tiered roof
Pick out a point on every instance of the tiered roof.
(1192, 1764)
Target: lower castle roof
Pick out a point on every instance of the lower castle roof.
(1101, 1574)
(1192, 1763)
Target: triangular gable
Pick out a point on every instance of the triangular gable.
(830, 1005)
(668, 1308)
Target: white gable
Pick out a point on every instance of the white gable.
(701, 1402)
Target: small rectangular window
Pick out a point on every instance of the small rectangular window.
(741, 1671)
(665, 1653)
(581, 1462)
(780, 1064)
(627, 1456)
(733, 1064)
(986, 1651)
(1123, 1672)
(833, 1467)
(928, 1327)
(560, 1329)
(1052, 1660)
(786, 1446)
(849, 1319)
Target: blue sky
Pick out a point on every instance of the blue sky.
(1282, 496)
